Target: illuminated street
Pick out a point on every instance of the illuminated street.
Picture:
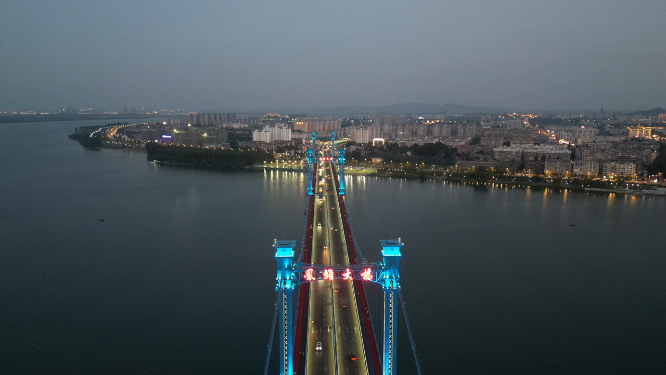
(334, 318)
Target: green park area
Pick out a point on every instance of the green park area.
(360, 170)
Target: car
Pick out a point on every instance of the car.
(319, 224)
(344, 306)
(352, 357)
(336, 290)
(336, 229)
(318, 347)
(320, 209)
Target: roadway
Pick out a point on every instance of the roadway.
(332, 311)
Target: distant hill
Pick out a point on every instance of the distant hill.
(416, 108)
(649, 113)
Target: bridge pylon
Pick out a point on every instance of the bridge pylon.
(284, 254)
(341, 171)
(312, 159)
(385, 273)
(390, 281)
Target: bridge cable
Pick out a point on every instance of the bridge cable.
(306, 206)
(270, 341)
(409, 332)
(353, 235)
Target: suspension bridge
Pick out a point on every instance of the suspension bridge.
(322, 307)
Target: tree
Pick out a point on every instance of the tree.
(481, 173)
(520, 167)
(659, 164)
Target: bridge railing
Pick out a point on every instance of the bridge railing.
(348, 222)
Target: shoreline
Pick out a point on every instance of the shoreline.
(659, 191)
(539, 185)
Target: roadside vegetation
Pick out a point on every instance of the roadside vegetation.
(212, 157)
(659, 164)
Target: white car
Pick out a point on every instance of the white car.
(319, 224)
(318, 347)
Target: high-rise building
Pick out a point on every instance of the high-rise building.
(318, 125)
(388, 122)
(364, 134)
(556, 166)
(586, 167)
(619, 169)
(272, 133)
(531, 152)
(204, 119)
(515, 124)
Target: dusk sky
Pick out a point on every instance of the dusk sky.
(262, 55)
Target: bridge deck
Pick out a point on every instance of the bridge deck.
(333, 313)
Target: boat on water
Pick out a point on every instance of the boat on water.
(572, 225)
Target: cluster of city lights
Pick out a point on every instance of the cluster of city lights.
(329, 274)
(325, 158)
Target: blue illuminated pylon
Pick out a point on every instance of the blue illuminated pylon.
(312, 159)
(390, 282)
(339, 157)
(341, 171)
(284, 254)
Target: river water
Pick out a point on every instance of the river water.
(178, 278)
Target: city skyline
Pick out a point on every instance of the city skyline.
(246, 56)
(410, 109)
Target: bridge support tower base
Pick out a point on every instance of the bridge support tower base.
(391, 286)
(284, 254)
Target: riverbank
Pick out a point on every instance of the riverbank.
(229, 159)
(649, 190)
